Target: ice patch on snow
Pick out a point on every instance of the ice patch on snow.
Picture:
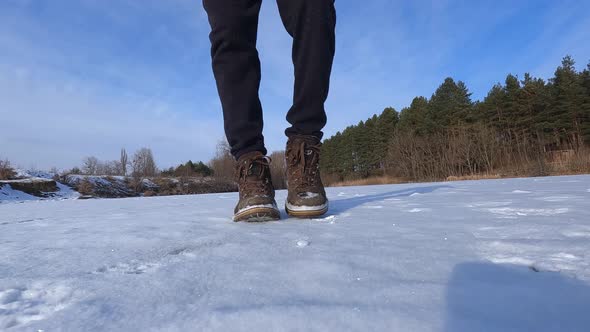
(565, 257)
(489, 204)
(555, 198)
(576, 233)
(302, 243)
(511, 260)
(527, 212)
(330, 218)
(415, 210)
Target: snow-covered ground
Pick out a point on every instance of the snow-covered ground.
(496, 255)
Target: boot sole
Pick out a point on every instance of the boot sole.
(258, 214)
(307, 211)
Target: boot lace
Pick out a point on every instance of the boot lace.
(252, 176)
(304, 165)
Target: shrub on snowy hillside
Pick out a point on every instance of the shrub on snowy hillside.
(6, 170)
(119, 186)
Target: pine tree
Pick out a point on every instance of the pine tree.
(329, 160)
(384, 131)
(491, 110)
(533, 101)
(415, 118)
(346, 153)
(450, 105)
(585, 108)
(568, 98)
(510, 105)
(360, 148)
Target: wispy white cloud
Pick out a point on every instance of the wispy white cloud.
(67, 94)
(54, 124)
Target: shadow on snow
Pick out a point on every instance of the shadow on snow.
(483, 296)
(340, 205)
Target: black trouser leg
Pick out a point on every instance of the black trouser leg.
(234, 26)
(311, 23)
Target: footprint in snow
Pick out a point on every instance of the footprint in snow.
(34, 302)
(134, 267)
(23, 221)
(185, 251)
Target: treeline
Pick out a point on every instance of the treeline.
(139, 175)
(142, 164)
(525, 126)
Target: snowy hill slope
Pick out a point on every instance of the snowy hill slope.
(34, 185)
(496, 255)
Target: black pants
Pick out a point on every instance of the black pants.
(234, 27)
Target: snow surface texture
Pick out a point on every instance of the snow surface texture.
(496, 255)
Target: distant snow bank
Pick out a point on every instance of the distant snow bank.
(45, 185)
(34, 185)
(8, 194)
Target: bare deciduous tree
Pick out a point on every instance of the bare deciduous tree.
(124, 161)
(108, 168)
(90, 166)
(224, 163)
(6, 170)
(143, 163)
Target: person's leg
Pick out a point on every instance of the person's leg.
(234, 27)
(312, 24)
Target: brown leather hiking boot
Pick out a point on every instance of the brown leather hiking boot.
(257, 195)
(306, 197)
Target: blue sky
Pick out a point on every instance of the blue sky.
(87, 77)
